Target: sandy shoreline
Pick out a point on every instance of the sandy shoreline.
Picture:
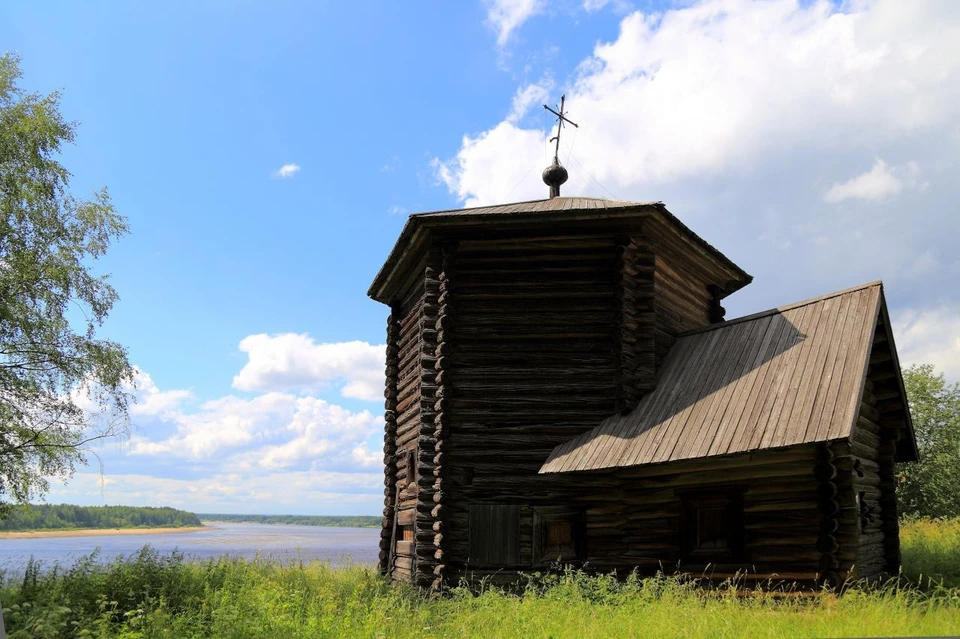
(100, 532)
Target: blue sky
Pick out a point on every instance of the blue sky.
(814, 143)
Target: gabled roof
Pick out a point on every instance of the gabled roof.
(408, 249)
(787, 376)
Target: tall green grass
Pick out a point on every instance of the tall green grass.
(149, 595)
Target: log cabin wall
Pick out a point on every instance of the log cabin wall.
(405, 344)
(682, 281)
(640, 523)
(886, 388)
(872, 456)
(387, 530)
(536, 359)
(637, 320)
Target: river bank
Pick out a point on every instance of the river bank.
(99, 532)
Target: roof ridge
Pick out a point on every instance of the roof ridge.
(781, 309)
(544, 199)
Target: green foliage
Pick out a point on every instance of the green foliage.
(67, 516)
(335, 521)
(931, 487)
(930, 551)
(60, 387)
(153, 595)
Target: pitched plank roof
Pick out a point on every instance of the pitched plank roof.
(790, 375)
(559, 209)
(540, 206)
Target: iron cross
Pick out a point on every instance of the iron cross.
(561, 118)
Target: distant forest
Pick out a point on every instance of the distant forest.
(65, 516)
(357, 521)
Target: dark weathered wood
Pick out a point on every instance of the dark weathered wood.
(388, 530)
(637, 322)
(599, 342)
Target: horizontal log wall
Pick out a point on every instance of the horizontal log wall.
(388, 528)
(409, 331)
(871, 463)
(633, 517)
(537, 361)
(888, 402)
(681, 286)
(637, 322)
(640, 526)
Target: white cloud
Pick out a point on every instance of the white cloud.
(488, 167)
(366, 458)
(151, 401)
(506, 16)
(621, 6)
(930, 335)
(295, 362)
(880, 182)
(397, 210)
(227, 423)
(526, 97)
(286, 171)
(322, 432)
(715, 87)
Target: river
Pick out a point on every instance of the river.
(281, 542)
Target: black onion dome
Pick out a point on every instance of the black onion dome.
(555, 175)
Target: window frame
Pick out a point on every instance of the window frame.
(546, 516)
(691, 503)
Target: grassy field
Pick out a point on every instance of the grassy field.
(162, 596)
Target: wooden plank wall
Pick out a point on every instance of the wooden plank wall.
(536, 362)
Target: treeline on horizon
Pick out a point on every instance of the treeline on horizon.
(67, 516)
(337, 521)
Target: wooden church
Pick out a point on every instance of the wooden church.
(562, 389)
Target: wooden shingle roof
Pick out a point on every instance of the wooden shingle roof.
(787, 376)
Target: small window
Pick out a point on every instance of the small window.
(713, 526)
(559, 535)
(494, 535)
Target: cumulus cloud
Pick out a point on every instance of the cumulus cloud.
(291, 361)
(286, 171)
(526, 97)
(714, 87)
(506, 16)
(880, 182)
(222, 424)
(322, 432)
(366, 458)
(151, 401)
(930, 335)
